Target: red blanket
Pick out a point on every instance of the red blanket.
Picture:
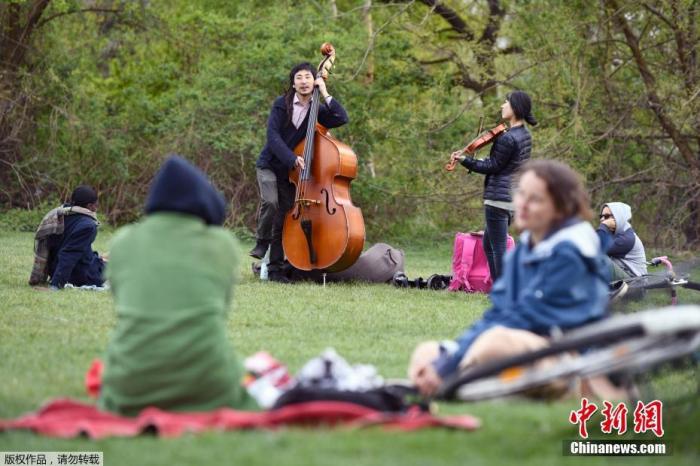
(69, 418)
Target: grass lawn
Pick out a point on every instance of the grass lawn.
(47, 341)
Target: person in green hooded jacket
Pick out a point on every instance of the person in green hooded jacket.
(172, 277)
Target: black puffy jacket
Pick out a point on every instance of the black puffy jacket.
(508, 153)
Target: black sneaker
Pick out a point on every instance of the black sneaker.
(400, 280)
(617, 291)
(259, 250)
(438, 282)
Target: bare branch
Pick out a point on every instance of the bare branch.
(496, 14)
(21, 37)
(511, 49)
(373, 38)
(650, 84)
(84, 10)
(658, 14)
(453, 19)
(435, 61)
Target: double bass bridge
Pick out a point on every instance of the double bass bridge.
(302, 203)
(307, 202)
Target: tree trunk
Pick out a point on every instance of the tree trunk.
(367, 16)
(691, 229)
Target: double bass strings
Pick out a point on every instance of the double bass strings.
(301, 185)
(305, 173)
(308, 149)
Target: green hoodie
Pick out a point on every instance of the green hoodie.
(172, 277)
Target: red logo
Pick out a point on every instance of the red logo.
(582, 415)
(614, 418)
(647, 417)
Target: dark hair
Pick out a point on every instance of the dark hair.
(289, 92)
(82, 196)
(521, 104)
(565, 187)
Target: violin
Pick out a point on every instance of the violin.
(483, 139)
(323, 230)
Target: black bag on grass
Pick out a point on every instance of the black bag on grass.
(389, 398)
(378, 264)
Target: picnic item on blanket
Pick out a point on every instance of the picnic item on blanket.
(390, 398)
(331, 371)
(68, 418)
(266, 378)
(329, 377)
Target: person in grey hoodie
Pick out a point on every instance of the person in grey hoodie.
(622, 245)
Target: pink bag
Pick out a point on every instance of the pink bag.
(470, 268)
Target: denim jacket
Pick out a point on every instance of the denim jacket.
(560, 282)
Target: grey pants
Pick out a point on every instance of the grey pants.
(269, 204)
(617, 272)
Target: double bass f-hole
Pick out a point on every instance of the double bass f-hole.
(304, 203)
(328, 204)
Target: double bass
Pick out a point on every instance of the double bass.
(323, 230)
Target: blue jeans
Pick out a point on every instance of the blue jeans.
(495, 238)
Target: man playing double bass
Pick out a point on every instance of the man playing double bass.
(286, 127)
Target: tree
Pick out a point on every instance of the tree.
(18, 21)
(457, 41)
(662, 41)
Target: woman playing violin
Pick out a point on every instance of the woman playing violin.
(509, 151)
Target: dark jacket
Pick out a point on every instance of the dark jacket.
(561, 282)
(508, 153)
(283, 137)
(623, 247)
(181, 187)
(71, 258)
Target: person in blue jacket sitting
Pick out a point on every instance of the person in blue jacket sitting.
(71, 258)
(623, 247)
(556, 277)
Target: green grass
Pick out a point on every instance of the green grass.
(47, 341)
